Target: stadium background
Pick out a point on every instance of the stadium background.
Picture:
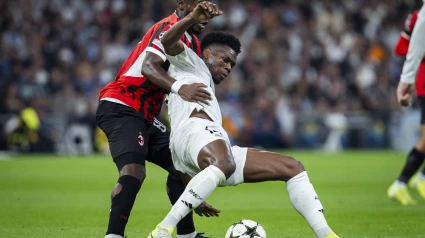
(308, 68)
(316, 75)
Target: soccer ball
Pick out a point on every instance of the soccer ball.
(246, 229)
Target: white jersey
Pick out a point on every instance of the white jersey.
(416, 50)
(188, 68)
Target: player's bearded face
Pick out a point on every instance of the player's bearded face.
(220, 60)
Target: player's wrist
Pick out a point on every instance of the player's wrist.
(176, 86)
(193, 19)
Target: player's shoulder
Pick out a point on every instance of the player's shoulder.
(160, 27)
(170, 20)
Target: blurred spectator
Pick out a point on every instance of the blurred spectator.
(298, 59)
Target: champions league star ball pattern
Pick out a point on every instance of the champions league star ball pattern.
(246, 229)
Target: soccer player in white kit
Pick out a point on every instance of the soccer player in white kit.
(415, 55)
(413, 59)
(200, 146)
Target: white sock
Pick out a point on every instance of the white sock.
(197, 191)
(400, 184)
(421, 175)
(307, 203)
(113, 236)
(191, 235)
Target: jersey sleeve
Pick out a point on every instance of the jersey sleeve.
(409, 24)
(402, 45)
(185, 61)
(416, 50)
(155, 45)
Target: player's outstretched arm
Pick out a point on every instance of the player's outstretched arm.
(414, 57)
(171, 40)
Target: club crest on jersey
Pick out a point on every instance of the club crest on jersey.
(140, 139)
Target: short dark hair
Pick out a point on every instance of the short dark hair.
(221, 38)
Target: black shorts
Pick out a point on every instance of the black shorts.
(129, 133)
(421, 101)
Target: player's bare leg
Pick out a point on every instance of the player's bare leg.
(398, 189)
(217, 164)
(160, 155)
(263, 166)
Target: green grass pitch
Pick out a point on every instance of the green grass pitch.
(45, 196)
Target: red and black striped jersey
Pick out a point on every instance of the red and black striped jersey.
(130, 87)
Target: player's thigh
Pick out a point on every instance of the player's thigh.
(214, 146)
(218, 153)
(198, 144)
(239, 156)
(127, 136)
(263, 166)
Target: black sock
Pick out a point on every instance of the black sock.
(122, 204)
(413, 163)
(175, 188)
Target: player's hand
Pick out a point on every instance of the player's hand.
(195, 93)
(205, 11)
(207, 210)
(404, 93)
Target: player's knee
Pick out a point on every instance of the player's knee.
(225, 164)
(135, 170)
(290, 168)
(117, 189)
(420, 145)
(228, 167)
(295, 167)
(127, 183)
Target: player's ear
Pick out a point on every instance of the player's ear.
(206, 53)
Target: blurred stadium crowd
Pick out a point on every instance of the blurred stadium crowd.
(307, 68)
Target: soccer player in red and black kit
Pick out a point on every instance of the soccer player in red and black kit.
(412, 41)
(126, 114)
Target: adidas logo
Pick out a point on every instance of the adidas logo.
(189, 205)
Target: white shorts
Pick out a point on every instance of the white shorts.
(187, 142)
